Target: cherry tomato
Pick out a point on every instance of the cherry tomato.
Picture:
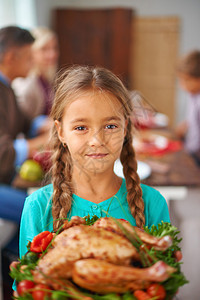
(24, 286)
(41, 241)
(156, 290)
(40, 293)
(141, 295)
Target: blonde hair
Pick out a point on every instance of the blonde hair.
(42, 35)
(69, 85)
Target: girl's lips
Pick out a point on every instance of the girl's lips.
(97, 155)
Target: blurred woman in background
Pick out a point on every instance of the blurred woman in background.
(34, 93)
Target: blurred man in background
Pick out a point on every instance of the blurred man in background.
(16, 145)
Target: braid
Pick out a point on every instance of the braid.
(61, 178)
(134, 191)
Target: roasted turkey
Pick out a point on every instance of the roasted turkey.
(100, 258)
(112, 225)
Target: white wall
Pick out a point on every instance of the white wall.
(7, 12)
(18, 12)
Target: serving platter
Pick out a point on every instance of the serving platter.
(143, 169)
(60, 265)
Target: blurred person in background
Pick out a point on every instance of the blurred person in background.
(189, 79)
(34, 93)
(19, 137)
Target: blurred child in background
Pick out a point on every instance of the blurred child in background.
(189, 79)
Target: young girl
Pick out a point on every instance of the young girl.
(92, 129)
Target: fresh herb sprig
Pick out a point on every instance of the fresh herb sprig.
(90, 220)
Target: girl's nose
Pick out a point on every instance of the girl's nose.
(96, 139)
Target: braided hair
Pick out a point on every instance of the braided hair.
(69, 85)
(134, 191)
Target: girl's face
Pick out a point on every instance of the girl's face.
(93, 127)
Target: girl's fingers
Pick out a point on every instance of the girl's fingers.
(178, 255)
(13, 265)
(15, 294)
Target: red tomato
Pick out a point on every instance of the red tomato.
(39, 292)
(41, 241)
(24, 286)
(156, 290)
(141, 295)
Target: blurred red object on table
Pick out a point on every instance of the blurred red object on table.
(44, 159)
(149, 120)
(154, 144)
(145, 115)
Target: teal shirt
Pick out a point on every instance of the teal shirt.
(37, 214)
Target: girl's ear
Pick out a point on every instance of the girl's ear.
(59, 131)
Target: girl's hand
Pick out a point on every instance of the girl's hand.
(178, 255)
(15, 294)
(13, 265)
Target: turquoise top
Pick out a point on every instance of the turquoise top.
(37, 214)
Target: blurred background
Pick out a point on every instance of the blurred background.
(140, 41)
(144, 37)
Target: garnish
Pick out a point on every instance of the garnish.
(177, 279)
(90, 220)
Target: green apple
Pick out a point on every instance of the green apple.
(31, 170)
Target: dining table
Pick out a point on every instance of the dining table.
(173, 171)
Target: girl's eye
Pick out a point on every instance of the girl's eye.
(80, 128)
(111, 126)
